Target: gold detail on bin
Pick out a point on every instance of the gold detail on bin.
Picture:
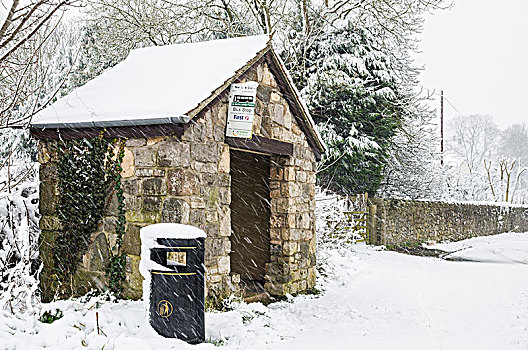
(164, 308)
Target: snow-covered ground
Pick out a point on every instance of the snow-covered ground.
(506, 248)
(372, 299)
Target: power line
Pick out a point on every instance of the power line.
(445, 98)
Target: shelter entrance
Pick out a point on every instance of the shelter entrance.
(250, 218)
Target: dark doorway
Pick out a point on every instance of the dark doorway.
(250, 216)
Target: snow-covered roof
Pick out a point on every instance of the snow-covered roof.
(169, 85)
(152, 84)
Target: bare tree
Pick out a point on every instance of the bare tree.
(25, 28)
(472, 139)
(505, 179)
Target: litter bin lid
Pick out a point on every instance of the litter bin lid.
(169, 230)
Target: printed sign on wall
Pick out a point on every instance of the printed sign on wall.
(242, 99)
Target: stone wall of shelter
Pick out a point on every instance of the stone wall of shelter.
(187, 180)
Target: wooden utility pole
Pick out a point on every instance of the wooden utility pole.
(442, 127)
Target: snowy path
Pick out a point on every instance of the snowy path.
(372, 300)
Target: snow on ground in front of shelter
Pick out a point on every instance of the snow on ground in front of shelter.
(372, 299)
(505, 248)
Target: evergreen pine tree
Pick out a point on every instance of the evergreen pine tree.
(353, 95)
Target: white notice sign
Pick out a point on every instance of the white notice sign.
(242, 99)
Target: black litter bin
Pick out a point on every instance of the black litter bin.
(177, 290)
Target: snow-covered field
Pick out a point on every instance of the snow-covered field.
(372, 299)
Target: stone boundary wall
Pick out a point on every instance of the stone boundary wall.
(403, 222)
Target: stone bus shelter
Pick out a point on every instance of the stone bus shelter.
(254, 197)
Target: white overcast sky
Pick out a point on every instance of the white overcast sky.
(477, 52)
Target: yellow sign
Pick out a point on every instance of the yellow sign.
(164, 308)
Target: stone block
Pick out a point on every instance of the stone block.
(289, 174)
(50, 223)
(275, 235)
(224, 163)
(211, 228)
(224, 265)
(134, 280)
(198, 132)
(219, 133)
(274, 288)
(214, 278)
(127, 164)
(292, 220)
(48, 172)
(112, 208)
(224, 195)
(132, 203)
(276, 173)
(268, 79)
(301, 176)
(306, 221)
(109, 224)
(86, 281)
(132, 240)
(197, 217)
(151, 203)
(135, 142)
(275, 97)
(264, 93)
(48, 198)
(290, 248)
(235, 278)
(174, 153)
(275, 249)
(275, 194)
(218, 247)
(175, 210)
(225, 224)
(142, 216)
(206, 153)
(197, 202)
(284, 205)
(221, 116)
(278, 114)
(149, 172)
(130, 186)
(99, 253)
(212, 194)
(205, 167)
(294, 234)
(211, 216)
(277, 221)
(145, 156)
(154, 187)
(223, 180)
(183, 182)
(311, 277)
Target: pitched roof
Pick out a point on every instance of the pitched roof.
(164, 84)
(154, 82)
